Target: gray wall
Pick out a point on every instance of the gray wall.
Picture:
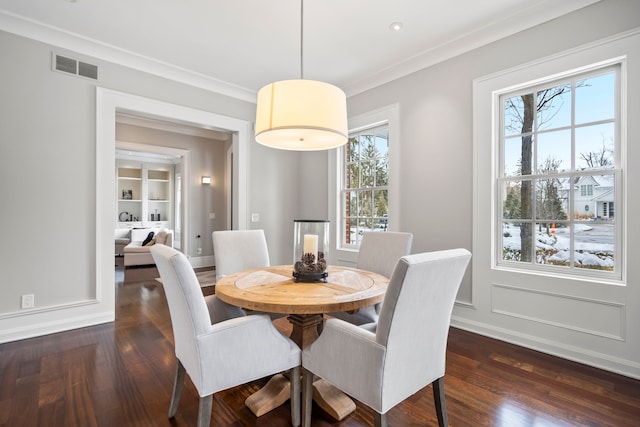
(48, 180)
(273, 176)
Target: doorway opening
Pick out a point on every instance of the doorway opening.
(109, 104)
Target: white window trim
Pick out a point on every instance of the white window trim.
(571, 273)
(486, 104)
(389, 115)
(588, 321)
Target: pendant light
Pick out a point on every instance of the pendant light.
(302, 115)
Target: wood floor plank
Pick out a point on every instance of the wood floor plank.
(23, 404)
(5, 410)
(79, 408)
(121, 374)
(52, 414)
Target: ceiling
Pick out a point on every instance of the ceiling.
(236, 47)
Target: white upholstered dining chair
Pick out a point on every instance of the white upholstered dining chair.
(408, 349)
(379, 252)
(221, 355)
(237, 250)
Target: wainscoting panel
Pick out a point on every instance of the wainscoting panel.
(594, 317)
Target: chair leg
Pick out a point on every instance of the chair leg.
(177, 389)
(307, 395)
(294, 379)
(438, 398)
(380, 420)
(204, 411)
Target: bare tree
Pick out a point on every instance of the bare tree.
(526, 160)
(598, 159)
(544, 105)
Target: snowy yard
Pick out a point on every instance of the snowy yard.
(594, 245)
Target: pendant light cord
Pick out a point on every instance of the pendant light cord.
(301, 38)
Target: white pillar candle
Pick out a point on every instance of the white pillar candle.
(310, 244)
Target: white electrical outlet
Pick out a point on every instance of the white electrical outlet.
(255, 217)
(199, 251)
(28, 301)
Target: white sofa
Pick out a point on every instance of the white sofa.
(136, 254)
(122, 237)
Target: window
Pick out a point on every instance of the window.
(364, 186)
(366, 193)
(559, 173)
(586, 190)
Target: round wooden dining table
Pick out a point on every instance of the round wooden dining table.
(274, 290)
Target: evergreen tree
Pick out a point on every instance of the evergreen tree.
(549, 205)
(511, 205)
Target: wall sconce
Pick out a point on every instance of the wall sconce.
(206, 180)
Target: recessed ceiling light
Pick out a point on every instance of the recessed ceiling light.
(396, 26)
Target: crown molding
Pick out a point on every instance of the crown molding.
(523, 19)
(36, 30)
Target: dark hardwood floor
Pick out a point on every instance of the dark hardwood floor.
(121, 374)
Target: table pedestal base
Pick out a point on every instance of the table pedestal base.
(277, 390)
(273, 394)
(305, 328)
(333, 401)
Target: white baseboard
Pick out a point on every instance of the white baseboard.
(52, 327)
(617, 365)
(202, 261)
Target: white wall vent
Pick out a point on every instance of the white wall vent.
(65, 64)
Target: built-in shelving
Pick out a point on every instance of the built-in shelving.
(144, 194)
